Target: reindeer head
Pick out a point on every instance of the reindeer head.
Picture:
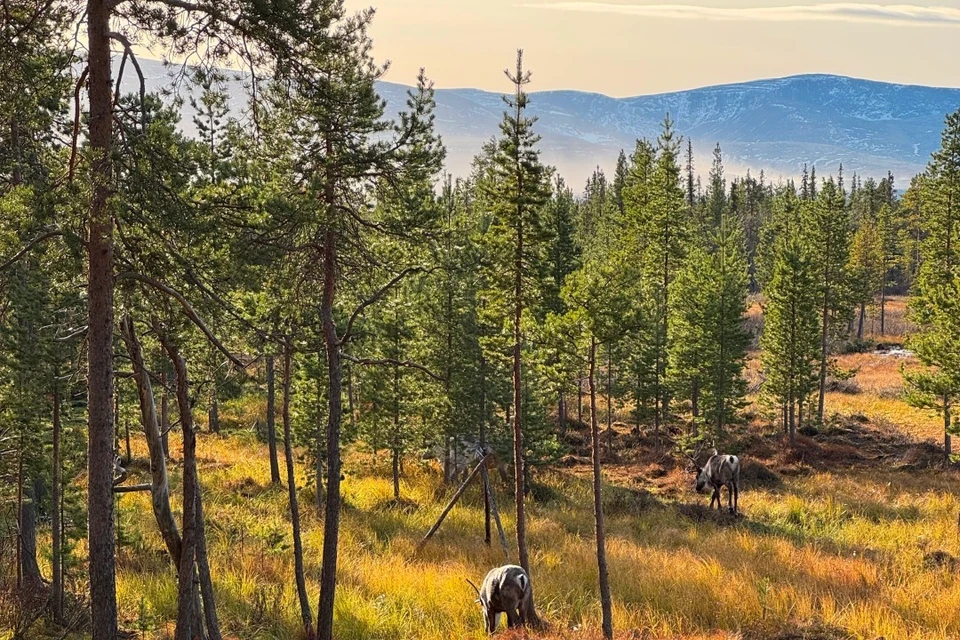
(703, 476)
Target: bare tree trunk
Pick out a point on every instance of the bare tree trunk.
(159, 486)
(483, 446)
(580, 404)
(883, 305)
(272, 423)
(213, 417)
(947, 440)
(29, 569)
(101, 533)
(164, 418)
(605, 601)
(823, 355)
(56, 499)
(19, 559)
(518, 452)
(187, 614)
(306, 615)
(331, 528)
(203, 566)
(863, 315)
(350, 403)
(319, 451)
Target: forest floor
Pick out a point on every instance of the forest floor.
(852, 533)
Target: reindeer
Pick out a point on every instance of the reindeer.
(720, 471)
(506, 590)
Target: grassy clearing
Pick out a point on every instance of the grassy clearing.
(849, 552)
(850, 535)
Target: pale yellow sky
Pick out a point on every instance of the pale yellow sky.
(634, 47)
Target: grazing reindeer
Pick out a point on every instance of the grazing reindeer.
(720, 471)
(506, 590)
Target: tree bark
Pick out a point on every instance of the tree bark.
(331, 529)
(213, 417)
(863, 315)
(203, 566)
(56, 525)
(159, 486)
(29, 569)
(883, 305)
(518, 452)
(101, 532)
(947, 440)
(164, 417)
(272, 423)
(306, 615)
(483, 446)
(187, 613)
(605, 601)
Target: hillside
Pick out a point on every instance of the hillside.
(774, 125)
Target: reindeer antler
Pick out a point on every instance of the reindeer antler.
(474, 588)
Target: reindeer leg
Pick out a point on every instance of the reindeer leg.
(492, 619)
(736, 497)
(715, 497)
(730, 498)
(512, 618)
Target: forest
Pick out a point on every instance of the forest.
(244, 373)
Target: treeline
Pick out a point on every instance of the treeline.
(315, 252)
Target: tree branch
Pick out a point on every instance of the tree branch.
(30, 245)
(376, 296)
(128, 51)
(188, 309)
(76, 123)
(363, 362)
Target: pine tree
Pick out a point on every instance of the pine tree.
(517, 187)
(827, 226)
(866, 269)
(936, 294)
(791, 335)
(657, 227)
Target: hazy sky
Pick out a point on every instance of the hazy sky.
(632, 47)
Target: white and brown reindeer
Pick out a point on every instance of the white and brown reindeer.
(720, 471)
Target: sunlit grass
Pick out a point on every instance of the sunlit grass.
(843, 552)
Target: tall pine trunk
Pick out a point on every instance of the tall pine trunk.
(305, 614)
(29, 569)
(272, 422)
(862, 317)
(823, 359)
(101, 533)
(331, 528)
(483, 445)
(56, 498)
(518, 453)
(605, 601)
(883, 305)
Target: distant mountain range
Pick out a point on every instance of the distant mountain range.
(772, 125)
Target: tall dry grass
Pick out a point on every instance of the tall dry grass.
(827, 551)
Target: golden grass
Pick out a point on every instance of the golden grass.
(844, 552)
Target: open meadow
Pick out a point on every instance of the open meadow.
(851, 534)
